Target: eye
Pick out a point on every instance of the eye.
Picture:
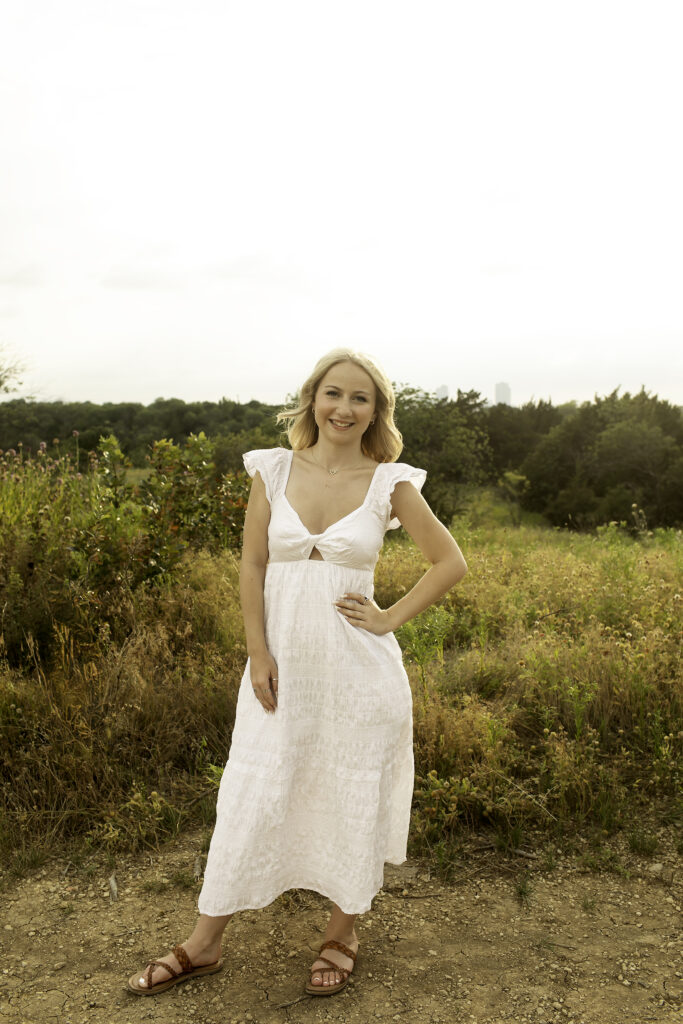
(362, 398)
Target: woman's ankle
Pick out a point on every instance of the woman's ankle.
(207, 935)
(348, 938)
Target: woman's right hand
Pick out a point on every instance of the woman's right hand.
(263, 672)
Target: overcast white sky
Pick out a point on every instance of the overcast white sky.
(198, 199)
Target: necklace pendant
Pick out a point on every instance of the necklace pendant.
(333, 471)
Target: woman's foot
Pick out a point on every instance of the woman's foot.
(322, 975)
(200, 955)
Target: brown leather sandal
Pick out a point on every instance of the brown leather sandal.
(188, 971)
(329, 990)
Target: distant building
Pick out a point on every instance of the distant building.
(503, 394)
(442, 392)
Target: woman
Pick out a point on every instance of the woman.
(317, 790)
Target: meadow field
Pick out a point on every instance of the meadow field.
(547, 685)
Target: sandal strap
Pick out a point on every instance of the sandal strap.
(334, 944)
(342, 970)
(151, 964)
(183, 959)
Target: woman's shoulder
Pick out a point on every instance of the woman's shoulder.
(264, 456)
(397, 471)
(269, 463)
(390, 474)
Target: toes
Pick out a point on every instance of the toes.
(325, 977)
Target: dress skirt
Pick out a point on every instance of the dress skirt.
(318, 794)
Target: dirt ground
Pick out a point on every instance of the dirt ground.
(580, 945)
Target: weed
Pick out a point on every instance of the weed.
(549, 859)
(508, 838)
(602, 859)
(523, 888)
(183, 880)
(642, 843)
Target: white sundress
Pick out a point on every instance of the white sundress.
(317, 795)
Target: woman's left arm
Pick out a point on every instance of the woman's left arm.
(436, 544)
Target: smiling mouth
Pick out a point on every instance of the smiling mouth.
(339, 423)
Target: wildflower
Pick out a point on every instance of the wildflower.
(75, 433)
(43, 446)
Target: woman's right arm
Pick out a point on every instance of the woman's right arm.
(252, 579)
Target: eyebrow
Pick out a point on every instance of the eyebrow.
(357, 391)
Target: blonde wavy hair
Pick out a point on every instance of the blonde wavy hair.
(381, 441)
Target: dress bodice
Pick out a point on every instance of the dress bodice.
(353, 541)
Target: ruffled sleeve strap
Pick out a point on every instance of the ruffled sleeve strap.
(394, 473)
(270, 463)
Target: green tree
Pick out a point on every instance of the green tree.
(448, 438)
(609, 455)
(514, 432)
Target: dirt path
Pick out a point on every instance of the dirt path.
(583, 947)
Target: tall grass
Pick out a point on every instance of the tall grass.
(547, 685)
(559, 701)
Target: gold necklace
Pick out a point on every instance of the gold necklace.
(333, 471)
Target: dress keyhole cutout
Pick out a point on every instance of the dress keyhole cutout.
(316, 556)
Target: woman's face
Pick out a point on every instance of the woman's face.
(344, 403)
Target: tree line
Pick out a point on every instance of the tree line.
(578, 465)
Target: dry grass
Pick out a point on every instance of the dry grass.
(547, 693)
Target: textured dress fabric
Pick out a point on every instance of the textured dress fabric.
(317, 795)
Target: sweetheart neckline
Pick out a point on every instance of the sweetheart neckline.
(343, 518)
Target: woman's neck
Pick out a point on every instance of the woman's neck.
(333, 456)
